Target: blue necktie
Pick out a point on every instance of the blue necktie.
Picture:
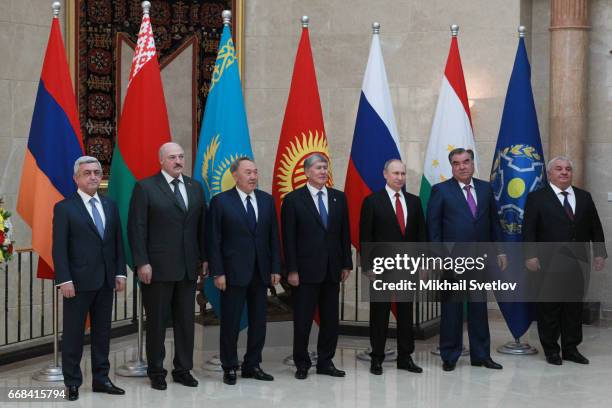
(251, 215)
(322, 209)
(97, 217)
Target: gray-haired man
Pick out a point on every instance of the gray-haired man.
(316, 242)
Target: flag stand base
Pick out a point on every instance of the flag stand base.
(464, 352)
(134, 368)
(289, 359)
(516, 348)
(49, 373)
(390, 355)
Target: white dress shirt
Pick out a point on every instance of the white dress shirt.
(391, 193)
(472, 190)
(243, 198)
(314, 194)
(181, 186)
(571, 197)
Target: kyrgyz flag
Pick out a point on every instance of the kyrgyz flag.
(143, 126)
(303, 132)
(54, 144)
(452, 124)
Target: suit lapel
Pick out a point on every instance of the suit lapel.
(80, 205)
(579, 203)
(239, 207)
(107, 214)
(165, 188)
(308, 201)
(191, 194)
(461, 198)
(481, 198)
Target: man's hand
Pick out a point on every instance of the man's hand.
(345, 274)
(220, 282)
(67, 290)
(502, 261)
(145, 273)
(533, 264)
(293, 278)
(120, 284)
(275, 277)
(598, 263)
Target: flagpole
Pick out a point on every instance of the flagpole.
(454, 29)
(516, 347)
(53, 372)
(214, 363)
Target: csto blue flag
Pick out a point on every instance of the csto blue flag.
(223, 138)
(518, 168)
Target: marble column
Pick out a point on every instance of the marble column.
(569, 44)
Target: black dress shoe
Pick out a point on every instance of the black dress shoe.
(229, 377)
(108, 387)
(186, 379)
(376, 367)
(448, 366)
(488, 363)
(331, 370)
(158, 383)
(409, 365)
(72, 393)
(301, 373)
(258, 374)
(576, 357)
(554, 359)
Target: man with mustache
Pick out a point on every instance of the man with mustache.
(166, 235)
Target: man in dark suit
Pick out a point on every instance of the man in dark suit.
(244, 254)
(166, 232)
(462, 209)
(89, 264)
(392, 215)
(560, 212)
(316, 241)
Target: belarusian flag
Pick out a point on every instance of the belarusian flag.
(452, 124)
(303, 132)
(143, 126)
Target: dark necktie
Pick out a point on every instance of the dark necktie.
(97, 217)
(566, 206)
(470, 200)
(178, 195)
(251, 214)
(399, 213)
(322, 209)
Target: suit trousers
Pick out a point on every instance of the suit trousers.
(99, 305)
(561, 319)
(163, 300)
(232, 305)
(306, 297)
(451, 331)
(379, 324)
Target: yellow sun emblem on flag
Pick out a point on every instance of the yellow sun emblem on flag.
(215, 171)
(291, 174)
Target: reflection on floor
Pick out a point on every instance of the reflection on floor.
(524, 381)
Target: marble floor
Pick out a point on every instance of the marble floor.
(525, 381)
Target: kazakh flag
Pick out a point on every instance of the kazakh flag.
(224, 136)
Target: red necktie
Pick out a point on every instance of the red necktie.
(399, 213)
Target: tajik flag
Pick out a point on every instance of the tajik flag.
(302, 133)
(143, 126)
(452, 125)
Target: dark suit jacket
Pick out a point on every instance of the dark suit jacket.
(162, 234)
(79, 254)
(449, 218)
(232, 248)
(310, 248)
(545, 220)
(378, 222)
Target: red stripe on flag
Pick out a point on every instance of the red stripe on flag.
(454, 74)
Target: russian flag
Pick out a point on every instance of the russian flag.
(375, 139)
(54, 144)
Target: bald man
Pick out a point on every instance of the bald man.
(166, 235)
